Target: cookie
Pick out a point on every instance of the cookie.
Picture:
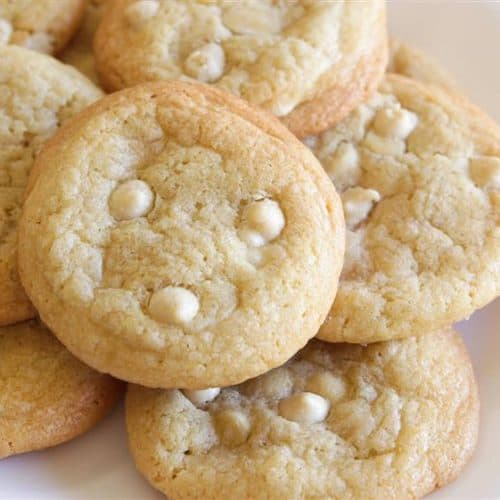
(307, 62)
(408, 61)
(194, 240)
(37, 94)
(390, 420)
(41, 25)
(47, 396)
(79, 52)
(418, 170)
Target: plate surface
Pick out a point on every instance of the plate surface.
(465, 37)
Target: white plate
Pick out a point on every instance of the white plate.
(466, 38)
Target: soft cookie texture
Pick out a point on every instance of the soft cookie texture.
(419, 174)
(390, 420)
(79, 51)
(307, 62)
(47, 396)
(194, 241)
(41, 25)
(37, 94)
(409, 61)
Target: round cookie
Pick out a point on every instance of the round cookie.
(390, 420)
(307, 62)
(181, 230)
(37, 94)
(408, 61)
(47, 396)
(79, 52)
(418, 170)
(41, 25)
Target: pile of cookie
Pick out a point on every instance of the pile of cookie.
(183, 234)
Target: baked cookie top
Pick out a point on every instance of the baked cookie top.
(193, 239)
(41, 25)
(390, 420)
(292, 58)
(37, 94)
(47, 396)
(79, 52)
(419, 176)
(409, 61)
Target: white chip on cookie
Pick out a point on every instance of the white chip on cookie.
(131, 199)
(232, 426)
(40, 42)
(246, 20)
(358, 203)
(485, 171)
(343, 167)
(263, 221)
(5, 31)
(201, 396)
(206, 64)
(395, 122)
(140, 11)
(174, 304)
(304, 407)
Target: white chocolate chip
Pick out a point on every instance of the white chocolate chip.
(304, 407)
(5, 31)
(206, 64)
(395, 122)
(41, 42)
(263, 222)
(485, 171)
(202, 396)
(139, 12)
(343, 167)
(131, 199)
(358, 203)
(257, 19)
(384, 145)
(174, 304)
(327, 385)
(311, 141)
(233, 427)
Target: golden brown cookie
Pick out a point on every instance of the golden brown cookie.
(37, 94)
(41, 25)
(193, 239)
(418, 170)
(79, 52)
(390, 420)
(47, 396)
(307, 62)
(409, 61)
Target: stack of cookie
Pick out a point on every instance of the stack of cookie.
(183, 234)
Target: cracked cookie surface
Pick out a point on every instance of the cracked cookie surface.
(37, 94)
(193, 239)
(389, 420)
(418, 171)
(307, 62)
(47, 396)
(41, 25)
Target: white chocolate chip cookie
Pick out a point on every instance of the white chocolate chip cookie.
(41, 25)
(37, 94)
(47, 396)
(78, 52)
(308, 62)
(193, 239)
(390, 420)
(419, 174)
